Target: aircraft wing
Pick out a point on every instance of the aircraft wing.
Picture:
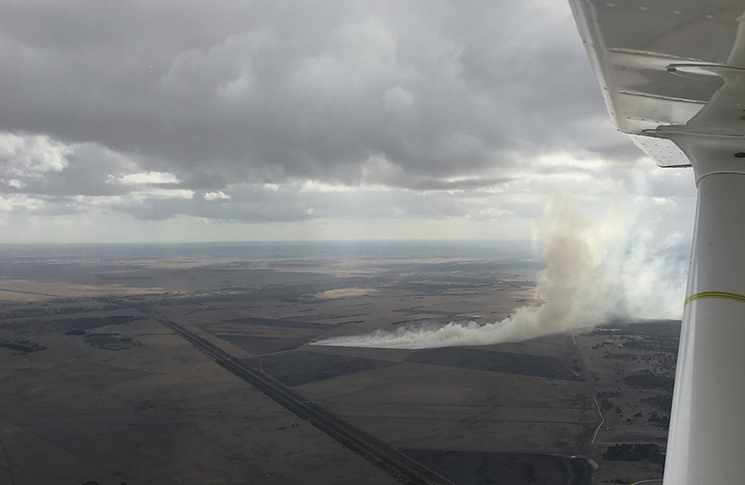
(660, 63)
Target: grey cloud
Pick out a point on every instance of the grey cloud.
(89, 172)
(222, 92)
(458, 184)
(254, 204)
(677, 183)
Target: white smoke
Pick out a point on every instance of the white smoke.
(598, 267)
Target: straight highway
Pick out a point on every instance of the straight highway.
(376, 451)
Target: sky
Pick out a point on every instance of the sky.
(185, 121)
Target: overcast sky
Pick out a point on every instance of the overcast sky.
(271, 120)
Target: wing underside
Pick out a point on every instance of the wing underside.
(663, 64)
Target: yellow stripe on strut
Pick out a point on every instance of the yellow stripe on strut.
(724, 295)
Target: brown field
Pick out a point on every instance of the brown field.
(94, 388)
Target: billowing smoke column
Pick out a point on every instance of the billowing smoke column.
(609, 268)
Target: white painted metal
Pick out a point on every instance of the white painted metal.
(659, 62)
(707, 434)
(673, 75)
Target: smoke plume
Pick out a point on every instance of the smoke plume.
(609, 265)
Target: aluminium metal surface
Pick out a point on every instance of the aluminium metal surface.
(667, 64)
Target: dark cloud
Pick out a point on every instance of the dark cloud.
(219, 92)
(125, 120)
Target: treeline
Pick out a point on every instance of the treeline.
(663, 402)
(659, 420)
(650, 381)
(636, 452)
(24, 346)
(659, 344)
(93, 322)
(48, 312)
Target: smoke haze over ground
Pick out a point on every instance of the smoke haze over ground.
(598, 267)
